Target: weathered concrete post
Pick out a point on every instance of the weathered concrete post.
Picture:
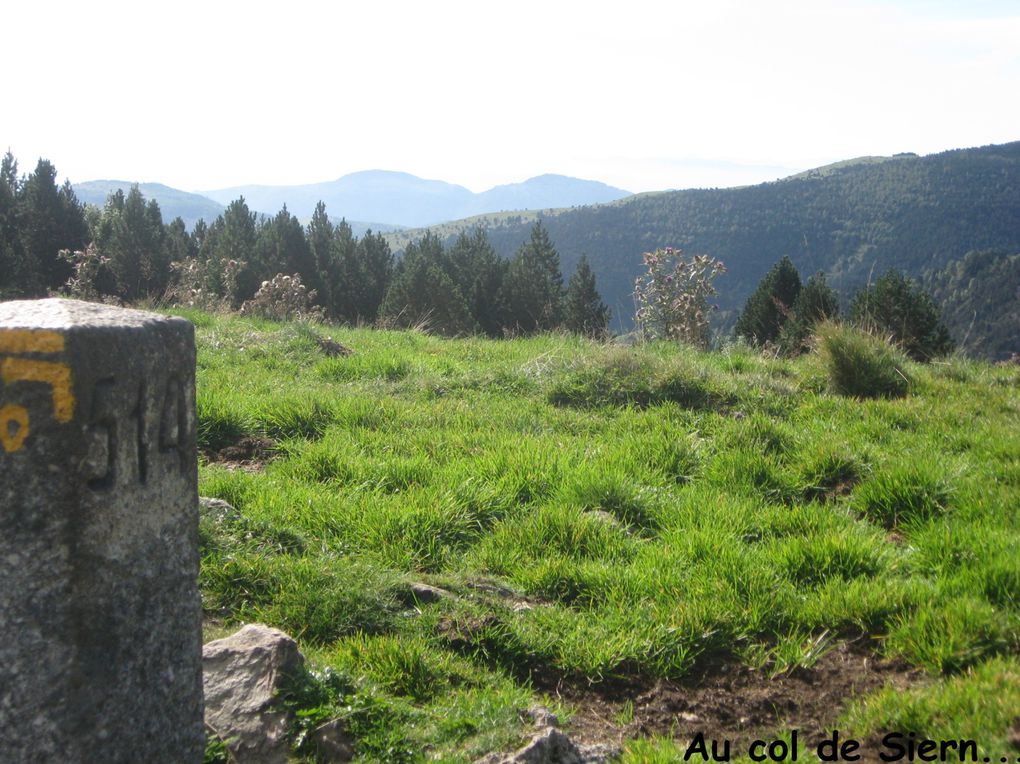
(100, 617)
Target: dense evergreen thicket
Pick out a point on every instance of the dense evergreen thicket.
(897, 306)
(783, 314)
(37, 220)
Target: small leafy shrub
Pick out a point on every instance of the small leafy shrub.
(189, 286)
(672, 296)
(283, 298)
(861, 365)
(89, 268)
(215, 750)
(313, 698)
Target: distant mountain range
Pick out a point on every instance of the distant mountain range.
(390, 200)
(400, 199)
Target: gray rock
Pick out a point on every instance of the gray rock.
(243, 675)
(541, 716)
(218, 510)
(551, 746)
(332, 743)
(100, 616)
(426, 594)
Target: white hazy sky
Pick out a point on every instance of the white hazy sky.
(642, 95)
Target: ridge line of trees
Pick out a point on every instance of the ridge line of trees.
(125, 252)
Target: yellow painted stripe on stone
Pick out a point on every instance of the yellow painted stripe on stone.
(57, 375)
(30, 341)
(13, 438)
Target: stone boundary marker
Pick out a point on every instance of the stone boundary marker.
(100, 616)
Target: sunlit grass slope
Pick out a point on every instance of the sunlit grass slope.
(598, 512)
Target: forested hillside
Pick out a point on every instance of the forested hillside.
(850, 220)
(980, 298)
(172, 201)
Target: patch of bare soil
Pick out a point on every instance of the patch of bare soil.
(250, 453)
(733, 702)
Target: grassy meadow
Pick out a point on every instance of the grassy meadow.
(604, 516)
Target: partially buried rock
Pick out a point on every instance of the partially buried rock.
(541, 716)
(332, 743)
(550, 746)
(426, 594)
(332, 348)
(217, 510)
(243, 675)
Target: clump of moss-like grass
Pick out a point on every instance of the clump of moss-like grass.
(860, 364)
(905, 493)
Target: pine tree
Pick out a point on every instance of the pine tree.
(281, 248)
(423, 293)
(179, 243)
(14, 278)
(49, 220)
(898, 306)
(770, 305)
(374, 271)
(531, 296)
(816, 302)
(479, 272)
(131, 234)
(319, 235)
(583, 310)
(229, 242)
(343, 271)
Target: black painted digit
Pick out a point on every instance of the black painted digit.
(104, 420)
(143, 438)
(173, 420)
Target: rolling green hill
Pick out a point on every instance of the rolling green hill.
(850, 220)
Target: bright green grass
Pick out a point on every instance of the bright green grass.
(602, 511)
